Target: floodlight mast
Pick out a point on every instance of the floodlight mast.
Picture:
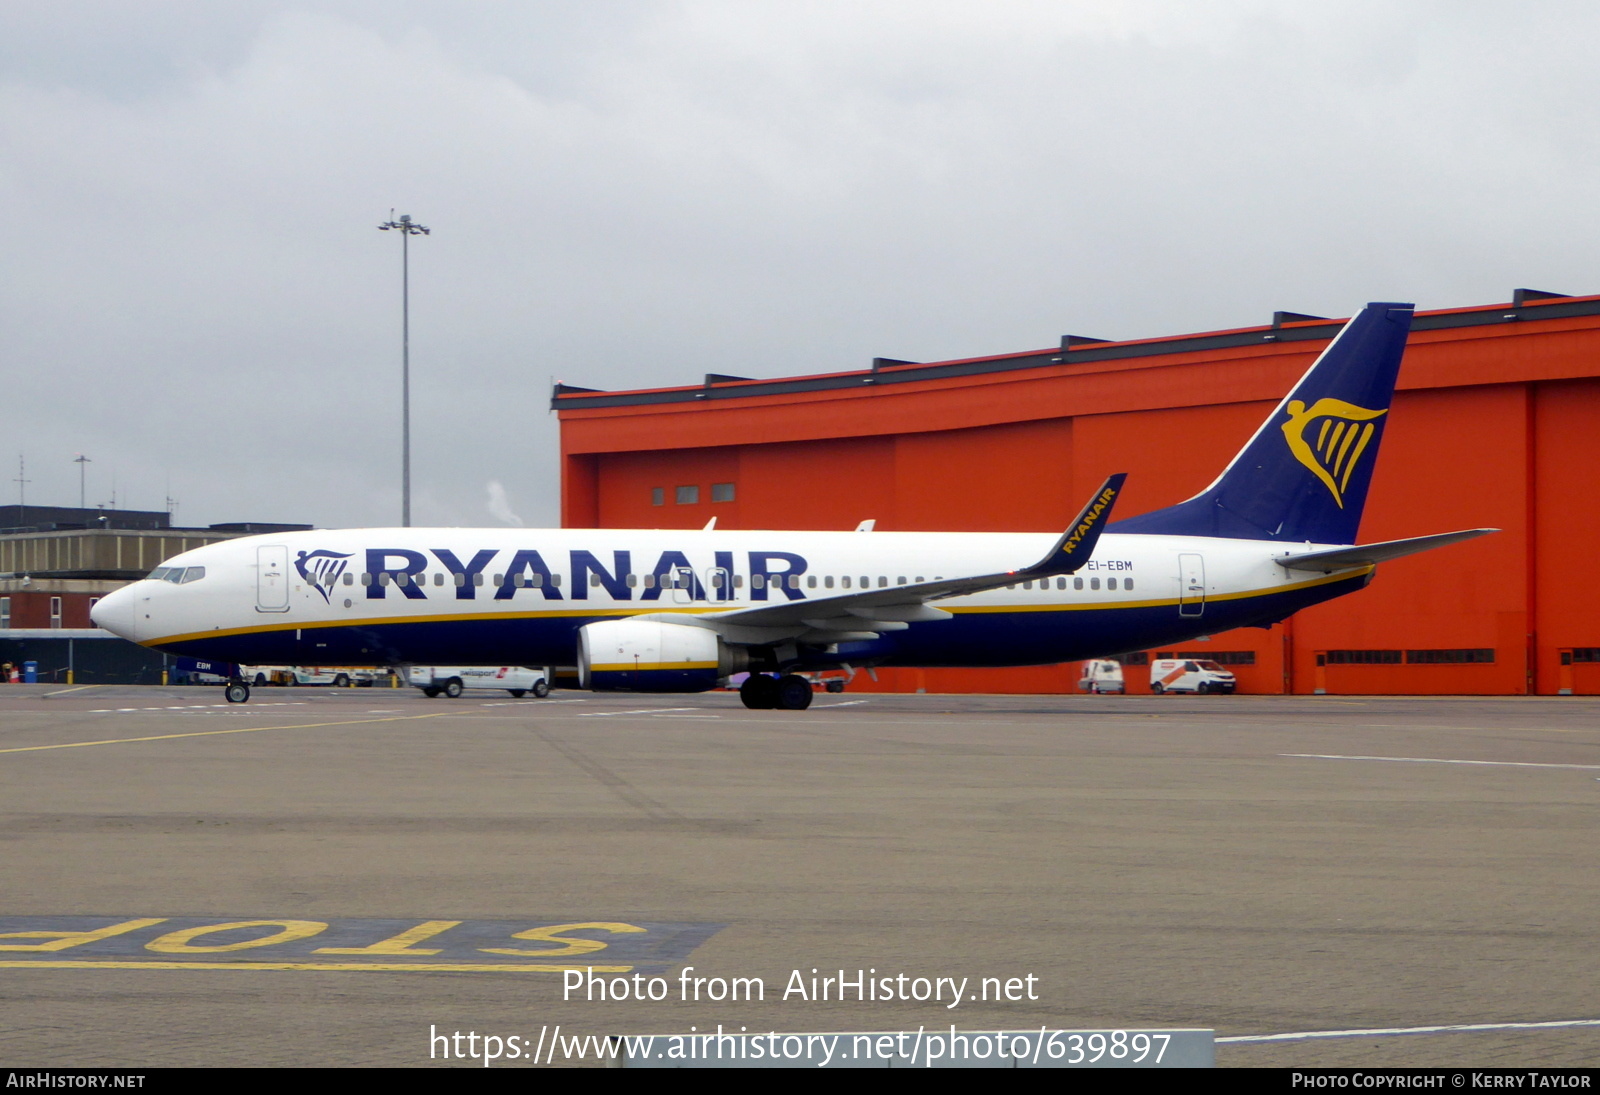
(407, 228)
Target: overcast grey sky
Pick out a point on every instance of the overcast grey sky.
(629, 194)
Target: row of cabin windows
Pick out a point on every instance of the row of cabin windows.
(759, 581)
(690, 495)
(1077, 583)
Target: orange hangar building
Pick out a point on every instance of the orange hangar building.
(1496, 422)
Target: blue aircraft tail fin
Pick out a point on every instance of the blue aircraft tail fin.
(1304, 475)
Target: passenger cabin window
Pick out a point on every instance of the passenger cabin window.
(658, 496)
(1077, 583)
(722, 492)
(688, 496)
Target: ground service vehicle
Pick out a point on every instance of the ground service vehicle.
(1101, 676)
(453, 680)
(1190, 675)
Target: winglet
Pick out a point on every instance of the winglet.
(1077, 543)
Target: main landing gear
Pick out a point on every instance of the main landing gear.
(786, 693)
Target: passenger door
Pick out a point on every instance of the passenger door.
(272, 578)
(1191, 585)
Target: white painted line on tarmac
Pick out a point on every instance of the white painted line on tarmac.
(645, 711)
(1442, 760)
(1379, 1032)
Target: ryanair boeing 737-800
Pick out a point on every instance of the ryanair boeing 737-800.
(681, 611)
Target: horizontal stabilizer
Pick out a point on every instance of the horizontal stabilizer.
(1326, 562)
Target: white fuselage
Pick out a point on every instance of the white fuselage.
(517, 596)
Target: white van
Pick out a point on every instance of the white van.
(452, 680)
(1189, 675)
(1101, 676)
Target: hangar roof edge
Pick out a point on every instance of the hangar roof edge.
(1526, 304)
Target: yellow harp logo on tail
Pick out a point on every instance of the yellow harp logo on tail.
(1340, 435)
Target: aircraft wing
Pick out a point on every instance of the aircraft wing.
(867, 613)
(1369, 554)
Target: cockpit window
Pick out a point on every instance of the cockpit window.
(176, 575)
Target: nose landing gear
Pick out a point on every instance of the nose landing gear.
(236, 692)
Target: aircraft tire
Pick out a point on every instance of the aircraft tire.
(237, 692)
(453, 688)
(541, 689)
(1155, 686)
(794, 692)
(835, 686)
(759, 692)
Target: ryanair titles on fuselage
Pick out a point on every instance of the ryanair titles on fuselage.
(399, 570)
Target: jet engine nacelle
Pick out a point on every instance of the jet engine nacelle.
(651, 656)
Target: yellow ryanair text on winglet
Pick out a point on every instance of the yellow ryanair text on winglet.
(1101, 504)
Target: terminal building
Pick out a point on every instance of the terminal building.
(1494, 424)
(56, 562)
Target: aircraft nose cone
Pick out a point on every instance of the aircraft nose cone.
(116, 612)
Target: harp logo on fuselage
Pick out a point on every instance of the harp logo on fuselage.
(321, 569)
(1329, 438)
